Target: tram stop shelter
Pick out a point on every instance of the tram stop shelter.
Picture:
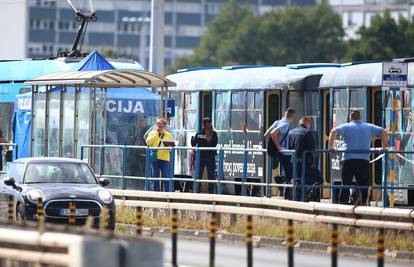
(69, 109)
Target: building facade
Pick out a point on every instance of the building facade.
(357, 13)
(123, 26)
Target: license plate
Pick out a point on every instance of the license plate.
(78, 212)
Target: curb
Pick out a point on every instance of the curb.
(260, 241)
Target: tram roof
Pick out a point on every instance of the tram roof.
(246, 77)
(366, 74)
(103, 78)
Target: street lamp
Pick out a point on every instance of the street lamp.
(143, 23)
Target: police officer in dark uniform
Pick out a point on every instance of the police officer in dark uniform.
(207, 137)
(301, 139)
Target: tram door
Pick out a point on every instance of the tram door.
(205, 106)
(326, 126)
(272, 113)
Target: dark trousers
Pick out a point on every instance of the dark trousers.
(210, 164)
(161, 167)
(286, 166)
(358, 168)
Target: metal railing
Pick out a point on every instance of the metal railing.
(384, 187)
(334, 215)
(196, 180)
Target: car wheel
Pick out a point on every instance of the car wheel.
(19, 213)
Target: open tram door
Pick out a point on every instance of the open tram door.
(272, 112)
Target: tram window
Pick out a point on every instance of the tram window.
(327, 118)
(377, 118)
(273, 109)
(296, 101)
(190, 111)
(258, 101)
(357, 101)
(221, 120)
(406, 170)
(238, 110)
(253, 111)
(340, 108)
(312, 108)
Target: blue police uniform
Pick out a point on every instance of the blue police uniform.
(357, 135)
(207, 157)
(285, 160)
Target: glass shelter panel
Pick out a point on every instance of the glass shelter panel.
(84, 110)
(53, 123)
(38, 145)
(68, 122)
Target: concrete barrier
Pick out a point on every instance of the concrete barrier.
(78, 250)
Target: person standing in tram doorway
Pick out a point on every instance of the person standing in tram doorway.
(357, 135)
(278, 133)
(207, 137)
(301, 139)
(160, 159)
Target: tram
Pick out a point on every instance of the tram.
(243, 101)
(359, 87)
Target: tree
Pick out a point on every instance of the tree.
(384, 39)
(214, 44)
(289, 35)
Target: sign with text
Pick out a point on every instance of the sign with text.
(394, 74)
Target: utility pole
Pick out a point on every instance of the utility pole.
(156, 58)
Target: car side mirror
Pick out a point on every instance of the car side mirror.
(10, 182)
(104, 181)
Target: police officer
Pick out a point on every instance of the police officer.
(357, 135)
(301, 139)
(278, 131)
(207, 137)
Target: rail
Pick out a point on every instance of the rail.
(299, 170)
(387, 190)
(390, 218)
(333, 214)
(220, 180)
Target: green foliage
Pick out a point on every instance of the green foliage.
(289, 35)
(384, 39)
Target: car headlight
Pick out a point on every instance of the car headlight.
(105, 196)
(34, 195)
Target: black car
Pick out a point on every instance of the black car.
(58, 182)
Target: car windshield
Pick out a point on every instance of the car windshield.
(59, 172)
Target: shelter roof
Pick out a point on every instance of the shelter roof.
(103, 78)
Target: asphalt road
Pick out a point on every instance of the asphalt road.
(195, 253)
